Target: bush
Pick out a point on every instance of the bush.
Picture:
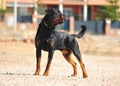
(110, 11)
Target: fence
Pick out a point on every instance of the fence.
(115, 24)
(94, 27)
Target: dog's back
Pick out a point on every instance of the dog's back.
(62, 40)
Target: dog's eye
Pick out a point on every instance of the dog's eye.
(60, 15)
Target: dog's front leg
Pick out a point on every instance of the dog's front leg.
(38, 58)
(50, 56)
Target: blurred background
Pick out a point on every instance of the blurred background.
(100, 47)
(27, 14)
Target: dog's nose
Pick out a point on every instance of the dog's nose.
(63, 17)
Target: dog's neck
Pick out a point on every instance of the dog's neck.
(46, 25)
(49, 27)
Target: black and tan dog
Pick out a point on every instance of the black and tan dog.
(48, 39)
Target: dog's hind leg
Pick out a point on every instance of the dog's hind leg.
(77, 54)
(74, 47)
(83, 68)
(67, 55)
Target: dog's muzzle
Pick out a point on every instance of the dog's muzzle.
(62, 19)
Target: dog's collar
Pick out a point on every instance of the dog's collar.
(46, 25)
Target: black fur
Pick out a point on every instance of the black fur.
(48, 39)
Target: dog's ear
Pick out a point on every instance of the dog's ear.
(52, 10)
(47, 11)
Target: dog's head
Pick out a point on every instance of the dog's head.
(54, 17)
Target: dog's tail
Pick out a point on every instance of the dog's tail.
(81, 33)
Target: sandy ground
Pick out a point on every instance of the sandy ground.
(100, 54)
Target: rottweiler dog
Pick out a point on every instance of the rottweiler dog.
(48, 39)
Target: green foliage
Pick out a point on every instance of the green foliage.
(110, 11)
(2, 11)
(9, 10)
(112, 1)
(2, 14)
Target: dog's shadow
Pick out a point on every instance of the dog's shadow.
(33, 75)
(15, 73)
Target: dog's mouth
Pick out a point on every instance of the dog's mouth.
(62, 19)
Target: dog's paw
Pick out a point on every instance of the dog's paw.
(85, 76)
(45, 74)
(37, 73)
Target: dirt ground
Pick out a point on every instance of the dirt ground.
(101, 56)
